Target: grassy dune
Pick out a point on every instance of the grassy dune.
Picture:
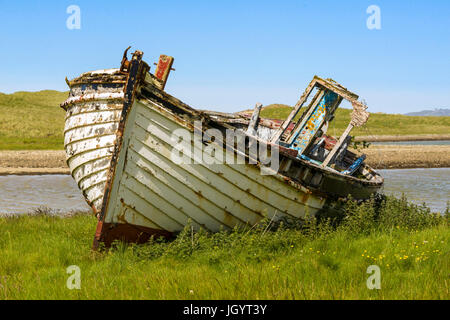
(311, 260)
(32, 120)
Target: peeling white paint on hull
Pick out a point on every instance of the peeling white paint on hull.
(152, 191)
(92, 116)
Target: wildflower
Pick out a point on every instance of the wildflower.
(191, 291)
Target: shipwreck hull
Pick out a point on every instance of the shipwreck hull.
(152, 192)
(92, 115)
(148, 193)
(119, 141)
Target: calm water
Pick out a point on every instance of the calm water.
(431, 186)
(422, 143)
(23, 194)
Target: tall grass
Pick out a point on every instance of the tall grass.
(317, 258)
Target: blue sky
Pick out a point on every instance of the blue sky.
(231, 54)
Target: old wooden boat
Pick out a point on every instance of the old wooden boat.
(120, 141)
(149, 192)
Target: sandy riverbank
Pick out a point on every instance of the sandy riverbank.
(408, 156)
(378, 156)
(33, 162)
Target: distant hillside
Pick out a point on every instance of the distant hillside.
(431, 113)
(32, 120)
(378, 123)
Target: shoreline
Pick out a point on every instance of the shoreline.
(33, 171)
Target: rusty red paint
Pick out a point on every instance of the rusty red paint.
(288, 151)
(272, 123)
(130, 233)
(330, 142)
(163, 69)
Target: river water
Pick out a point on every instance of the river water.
(24, 194)
(430, 185)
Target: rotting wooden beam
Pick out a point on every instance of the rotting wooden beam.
(337, 88)
(337, 145)
(293, 135)
(254, 120)
(359, 118)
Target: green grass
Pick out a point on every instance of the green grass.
(314, 259)
(378, 123)
(32, 120)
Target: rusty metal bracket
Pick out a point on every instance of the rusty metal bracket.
(125, 64)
